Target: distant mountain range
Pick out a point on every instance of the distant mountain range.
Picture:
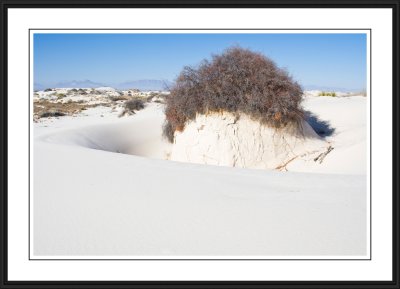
(143, 84)
(155, 84)
(146, 84)
(79, 84)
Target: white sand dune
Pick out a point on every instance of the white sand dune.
(101, 188)
(140, 135)
(223, 139)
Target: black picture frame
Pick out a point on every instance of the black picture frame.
(8, 4)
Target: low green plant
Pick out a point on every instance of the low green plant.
(325, 93)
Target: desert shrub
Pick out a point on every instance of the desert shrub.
(48, 89)
(324, 93)
(238, 80)
(51, 114)
(131, 106)
(134, 104)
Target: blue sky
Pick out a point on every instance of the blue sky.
(326, 60)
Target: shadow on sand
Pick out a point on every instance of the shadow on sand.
(322, 128)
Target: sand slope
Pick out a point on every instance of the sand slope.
(91, 199)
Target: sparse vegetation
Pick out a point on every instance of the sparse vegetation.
(324, 93)
(238, 80)
(120, 97)
(45, 108)
(65, 101)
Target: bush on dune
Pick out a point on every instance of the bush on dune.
(131, 106)
(134, 104)
(236, 81)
